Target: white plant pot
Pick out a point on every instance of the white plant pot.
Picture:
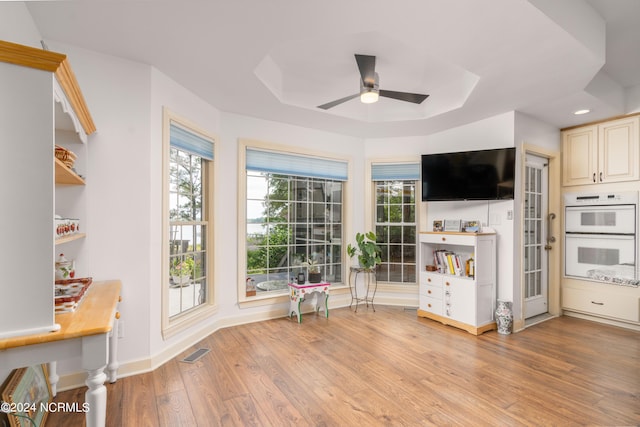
(181, 280)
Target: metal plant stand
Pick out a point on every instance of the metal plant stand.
(353, 288)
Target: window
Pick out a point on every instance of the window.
(187, 272)
(395, 220)
(188, 228)
(293, 211)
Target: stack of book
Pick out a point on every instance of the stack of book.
(448, 262)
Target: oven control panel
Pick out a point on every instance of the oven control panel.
(590, 199)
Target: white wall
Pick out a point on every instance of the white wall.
(167, 93)
(124, 181)
(494, 132)
(633, 100)
(229, 128)
(17, 26)
(533, 131)
(126, 101)
(510, 129)
(235, 127)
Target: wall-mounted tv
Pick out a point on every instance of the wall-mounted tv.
(469, 175)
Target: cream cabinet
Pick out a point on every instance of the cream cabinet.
(602, 153)
(460, 300)
(41, 106)
(603, 300)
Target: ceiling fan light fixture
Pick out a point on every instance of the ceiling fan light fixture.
(369, 96)
(370, 86)
(370, 92)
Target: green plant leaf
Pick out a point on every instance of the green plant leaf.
(366, 249)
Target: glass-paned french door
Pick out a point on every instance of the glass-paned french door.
(535, 228)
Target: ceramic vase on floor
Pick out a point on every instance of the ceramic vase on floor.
(504, 317)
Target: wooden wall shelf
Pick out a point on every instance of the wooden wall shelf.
(71, 238)
(66, 176)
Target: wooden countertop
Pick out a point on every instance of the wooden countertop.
(94, 316)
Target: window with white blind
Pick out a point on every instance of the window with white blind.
(187, 287)
(395, 220)
(293, 213)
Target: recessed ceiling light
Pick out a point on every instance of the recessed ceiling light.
(585, 111)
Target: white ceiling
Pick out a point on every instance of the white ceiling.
(279, 59)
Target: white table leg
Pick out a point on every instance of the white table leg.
(96, 397)
(294, 305)
(297, 309)
(53, 377)
(326, 304)
(112, 367)
(94, 360)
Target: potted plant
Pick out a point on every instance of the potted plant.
(366, 249)
(181, 270)
(313, 271)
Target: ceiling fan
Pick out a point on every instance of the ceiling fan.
(369, 86)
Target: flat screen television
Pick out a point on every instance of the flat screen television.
(469, 175)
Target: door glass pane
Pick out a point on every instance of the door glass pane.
(534, 231)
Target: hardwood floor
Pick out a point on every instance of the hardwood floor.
(386, 368)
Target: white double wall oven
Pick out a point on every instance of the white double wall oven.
(601, 236)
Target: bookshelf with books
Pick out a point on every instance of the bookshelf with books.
(458, 279)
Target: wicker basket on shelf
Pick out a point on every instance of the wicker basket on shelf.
(65, 156)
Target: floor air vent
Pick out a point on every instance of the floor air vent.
(196, 355)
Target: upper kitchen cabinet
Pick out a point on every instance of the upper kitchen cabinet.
(41, 106)
(602, 153)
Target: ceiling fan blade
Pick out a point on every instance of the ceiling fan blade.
(337, 102)
(416, 98)
(367, 67)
